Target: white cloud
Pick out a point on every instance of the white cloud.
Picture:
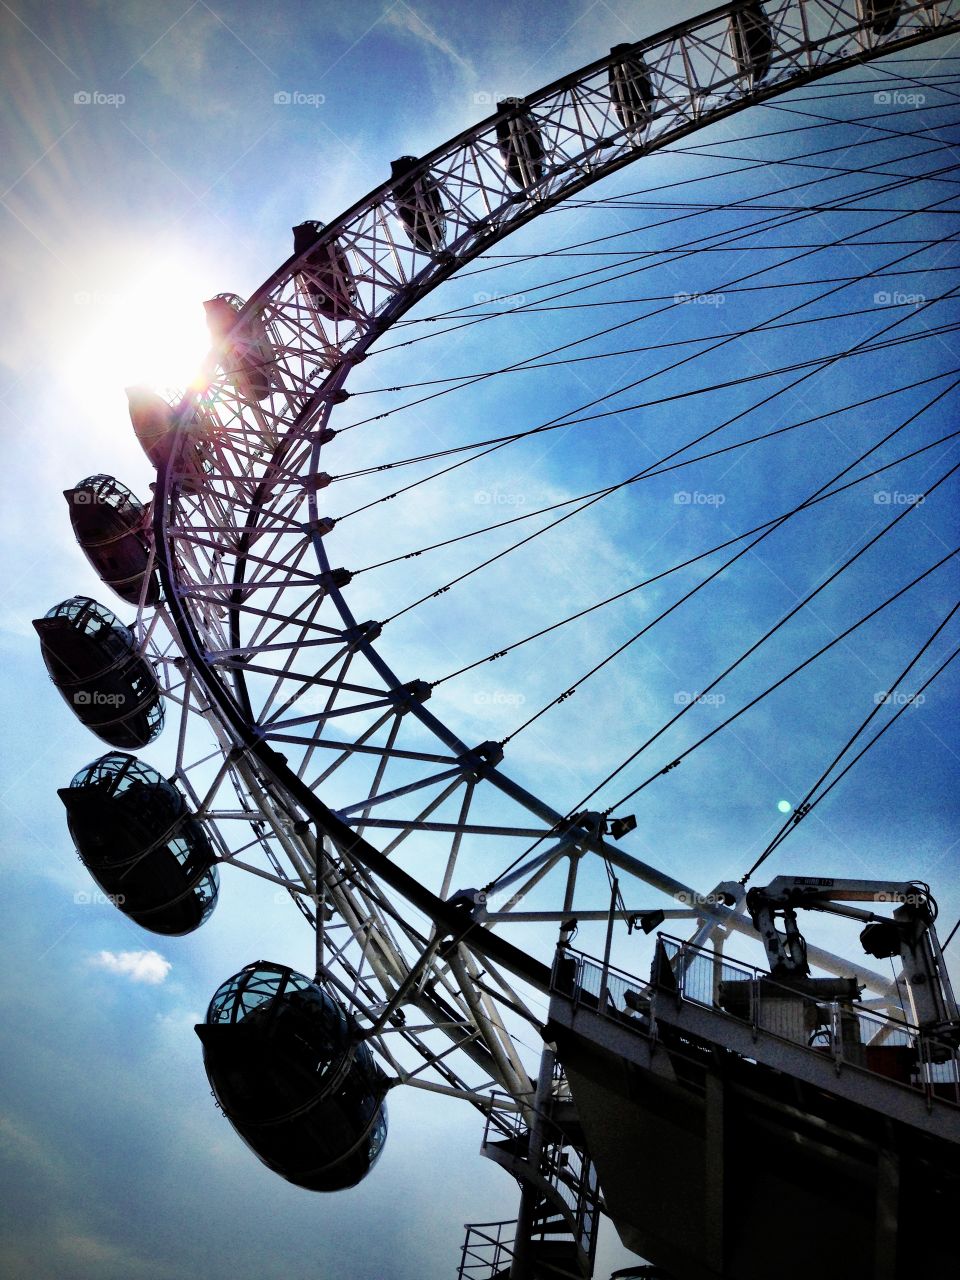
(138, 966)
(180, 1019)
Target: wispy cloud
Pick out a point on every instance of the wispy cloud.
(406, 19)
(138, 966)
(91, 1255)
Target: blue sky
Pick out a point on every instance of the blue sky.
(180, 178)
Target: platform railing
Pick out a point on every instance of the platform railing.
(487, 1250)
(840, 1029)
(600, 986)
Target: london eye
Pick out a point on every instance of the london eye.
(542, 543)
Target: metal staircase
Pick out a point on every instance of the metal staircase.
(555, 1235)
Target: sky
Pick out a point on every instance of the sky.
(150, 165)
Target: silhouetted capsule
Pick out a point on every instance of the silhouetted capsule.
(752, 41)
(94, 661)
(110, 524)
(419, 205)
(881, 16)
(293, 1078)
(325, 274)
(152, 420)
(138, 839)
(519, 142)
(630, 89)
(155, 426)
(246, 353)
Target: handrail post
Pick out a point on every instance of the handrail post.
(614, 890)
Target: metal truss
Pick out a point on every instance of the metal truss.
(349, 792)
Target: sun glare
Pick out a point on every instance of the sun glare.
(149, 331)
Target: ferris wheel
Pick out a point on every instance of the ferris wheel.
(308, 748)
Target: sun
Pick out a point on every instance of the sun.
(144, 328)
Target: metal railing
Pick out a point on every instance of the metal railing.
(841, 1029)
(568, 1170)
(604, 988)
(487, 1250)
(850, 1034)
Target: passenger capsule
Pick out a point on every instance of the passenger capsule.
(138, 839)
(881, 16)
(419, 205)
(110, 525)
(155, 426)
(293, 1078)
(752, 41)
(246, 353)
(520, 142)
(325, 274)
(93, 660)
(152, 420)
(630, 89)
